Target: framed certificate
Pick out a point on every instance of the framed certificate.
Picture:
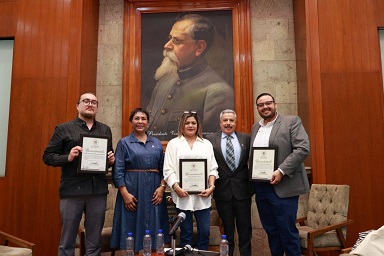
(193, 175)
(263, 163)
(94, 158)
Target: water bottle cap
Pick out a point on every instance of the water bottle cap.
(160, 231)
(147, 231)
(223, 237)
(129, 233)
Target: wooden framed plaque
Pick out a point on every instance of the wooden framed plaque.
(94, 158)
(193, 175)
(263, 163)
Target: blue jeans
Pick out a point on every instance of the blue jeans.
(203, 222)
(278, 216)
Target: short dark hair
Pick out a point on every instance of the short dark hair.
(265, 94)
(203, 28)
(136, 110)
(94, 94)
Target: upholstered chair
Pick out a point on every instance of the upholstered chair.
(324, 227)
(24, 248)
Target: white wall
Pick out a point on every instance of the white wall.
(6, 59)
(381, 35)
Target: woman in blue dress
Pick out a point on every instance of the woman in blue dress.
(138, 175)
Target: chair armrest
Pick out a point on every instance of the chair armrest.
(346, 250)
(321, 231)
(337, 227)
(17, 241)
(301, 221)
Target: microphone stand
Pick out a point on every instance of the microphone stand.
(173, 239)
(174, 243)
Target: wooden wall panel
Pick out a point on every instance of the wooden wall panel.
(349, 98)
(309, 81)
(89, 34)
(301, 67)
(8, 18)
(47, 80)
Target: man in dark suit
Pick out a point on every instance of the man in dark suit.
(277, 199)
(233, 190)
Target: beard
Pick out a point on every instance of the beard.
(168, 65)
(269, 117)
(88, 116)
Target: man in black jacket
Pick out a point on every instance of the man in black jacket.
(80, 192)
(233, 190)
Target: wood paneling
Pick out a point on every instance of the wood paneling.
(8, 18)
(308, 81)
(55, 57)
(343, 83)
(89, 38)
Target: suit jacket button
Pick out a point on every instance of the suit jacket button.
(163, 111)
(169, 97)
(178, 82)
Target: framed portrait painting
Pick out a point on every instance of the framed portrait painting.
(215, 77)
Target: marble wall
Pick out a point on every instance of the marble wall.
(273, 61)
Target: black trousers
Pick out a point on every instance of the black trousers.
(237, 213)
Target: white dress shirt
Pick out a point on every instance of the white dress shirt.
(178, 148)
(263, 134)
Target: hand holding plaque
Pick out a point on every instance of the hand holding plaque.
(193, 175)
(94, 158)
(263, 163)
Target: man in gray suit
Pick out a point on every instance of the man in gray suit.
(277, 200)
(186, 81)
(233, 189)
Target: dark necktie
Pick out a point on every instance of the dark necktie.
(230, 154)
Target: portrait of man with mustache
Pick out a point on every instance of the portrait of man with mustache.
(185, 80)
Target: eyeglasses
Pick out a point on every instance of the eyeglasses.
(177, 41)
(88, 102)
(267, 103)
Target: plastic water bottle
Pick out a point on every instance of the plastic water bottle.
(130, 245)
(160, 242)
(147, 243)
(224, 249)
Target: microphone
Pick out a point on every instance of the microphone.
(186, 249)
(179, 219)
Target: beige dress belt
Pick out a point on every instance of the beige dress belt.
(142, 170)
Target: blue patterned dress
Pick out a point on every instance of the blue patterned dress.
(134, 154)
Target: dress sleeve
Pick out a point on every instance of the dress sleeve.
(119, 168)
